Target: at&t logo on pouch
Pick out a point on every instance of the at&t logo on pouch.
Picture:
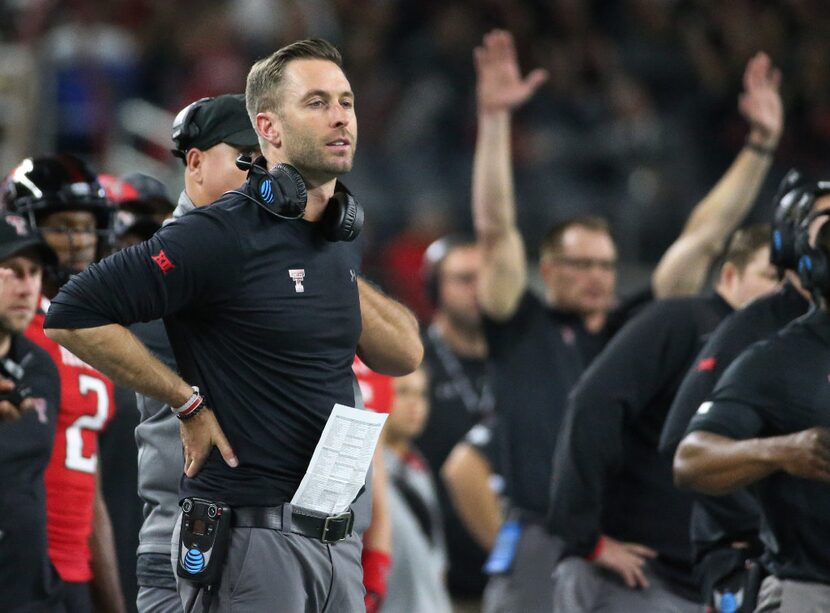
(194, 561)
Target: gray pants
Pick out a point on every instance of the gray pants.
(526, 588)
(158, 600)
(580, 586)
(788, 596)
(268, 570)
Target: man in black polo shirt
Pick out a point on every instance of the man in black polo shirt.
(767, 424)
(612, 499)
(263, 313)
(28, 581)
(724, 529)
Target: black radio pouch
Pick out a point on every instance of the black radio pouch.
(203, 540)
(738, 591)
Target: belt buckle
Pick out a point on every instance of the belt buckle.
(332, 522)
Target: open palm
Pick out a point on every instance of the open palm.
(760, 103)
(500, 83)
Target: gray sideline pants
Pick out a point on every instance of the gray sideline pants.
(526, 588)
(580, 586)
(269, 570)
(788, 596)
(158, 600)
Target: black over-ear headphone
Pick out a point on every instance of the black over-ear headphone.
(184, 129)
(813, 263)
(792, 202)
(281, 191)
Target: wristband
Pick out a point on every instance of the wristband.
(760, 149)
(191, 406)
(376, 565)
(597, 549)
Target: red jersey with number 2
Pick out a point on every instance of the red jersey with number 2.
(86, 407)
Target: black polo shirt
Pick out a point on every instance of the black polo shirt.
(262, 314)
(721, 520)
(782, 386)
(27, 576)
(591, 344)
(609, 477)
(535, 360)
(459, 398)
(752, 323)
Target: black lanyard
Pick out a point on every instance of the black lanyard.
(474, 402)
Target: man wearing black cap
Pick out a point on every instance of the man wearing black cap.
(209, 135)
(27, 427)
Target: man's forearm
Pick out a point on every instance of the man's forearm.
(106, 584)
(378, 536)
(390, 342)
(467, 476)
(683, 268)
(117, 353)
(504, 269)
(716, 465)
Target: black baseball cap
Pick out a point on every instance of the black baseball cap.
(16, 235)
(210, 121)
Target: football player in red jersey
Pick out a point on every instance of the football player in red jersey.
(61, 197)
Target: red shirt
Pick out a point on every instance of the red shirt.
(378, 390)
(87, 404)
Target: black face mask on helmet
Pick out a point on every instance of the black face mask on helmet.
(41, 186)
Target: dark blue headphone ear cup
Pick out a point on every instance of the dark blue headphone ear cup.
(343, 218)
(281, 191)
(265, 189)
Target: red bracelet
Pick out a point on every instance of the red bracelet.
(597, 549)
(191, 406)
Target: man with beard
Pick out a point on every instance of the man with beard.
(264, 311)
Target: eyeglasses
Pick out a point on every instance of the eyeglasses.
(462, 278)
(587, 263)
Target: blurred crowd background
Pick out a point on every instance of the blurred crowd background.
(636, 122)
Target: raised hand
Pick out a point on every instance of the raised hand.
(500, 83)
(760, 103)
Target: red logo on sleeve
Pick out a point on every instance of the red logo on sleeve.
(163, 262)
(706, 364)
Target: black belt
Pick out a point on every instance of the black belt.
(326, 528)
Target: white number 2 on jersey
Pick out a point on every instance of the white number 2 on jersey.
(75, 458)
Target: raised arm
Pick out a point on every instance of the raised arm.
(683, 268)
(500, 89)
(390, 342)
